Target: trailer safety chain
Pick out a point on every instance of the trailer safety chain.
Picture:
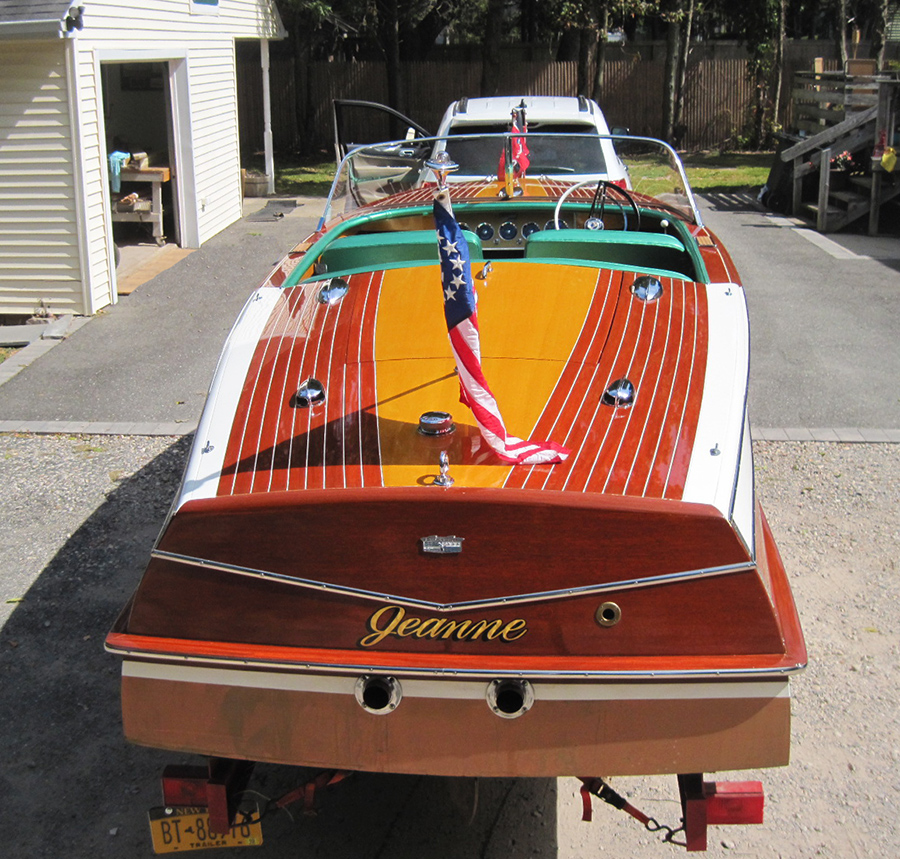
(599, 788)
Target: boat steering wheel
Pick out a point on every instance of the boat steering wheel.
(604, 188)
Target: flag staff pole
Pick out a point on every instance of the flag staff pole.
(442, 165)
(509, 174)
(460, 314)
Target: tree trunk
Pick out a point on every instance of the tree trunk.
(600, 52)
(389, 31)
(842, 11)
(673, 31)
(303, 91)
(529, 21)
(760, 108)
(568, 49)
(493, 36)
(779, 63)
(417, 40)
(879, 35)
(585, 51)
(678, 112)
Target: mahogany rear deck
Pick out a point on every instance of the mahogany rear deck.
(374, 398)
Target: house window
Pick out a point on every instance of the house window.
(204, 7)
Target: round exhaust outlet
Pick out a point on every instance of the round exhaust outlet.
(509, 698)
(378, 695)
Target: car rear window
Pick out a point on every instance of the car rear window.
(549, 155)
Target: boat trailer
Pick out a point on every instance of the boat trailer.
(218, 786)
(703, 804)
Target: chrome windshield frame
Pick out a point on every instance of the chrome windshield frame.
(439, 143)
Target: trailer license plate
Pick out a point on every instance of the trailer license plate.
(175, 830)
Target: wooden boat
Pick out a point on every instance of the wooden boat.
(354, 574)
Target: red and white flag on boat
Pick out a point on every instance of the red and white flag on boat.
(521, 158)
(462, 326)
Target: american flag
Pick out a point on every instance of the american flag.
(462, 325)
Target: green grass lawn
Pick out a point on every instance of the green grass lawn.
(304, 177)
(730, 171)
(707, 171)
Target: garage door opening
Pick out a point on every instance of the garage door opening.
(137, 111)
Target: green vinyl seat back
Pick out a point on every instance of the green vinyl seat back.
(614, 247)
(374, 251)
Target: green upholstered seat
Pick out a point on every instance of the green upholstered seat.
(616, 247)
(372, 251)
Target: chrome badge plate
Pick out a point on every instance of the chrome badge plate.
(442, 545)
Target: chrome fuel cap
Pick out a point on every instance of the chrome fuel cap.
(436, 423)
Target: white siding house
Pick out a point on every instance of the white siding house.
(73, 81)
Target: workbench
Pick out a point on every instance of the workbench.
(154, 217)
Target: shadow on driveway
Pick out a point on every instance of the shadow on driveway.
(72, 786)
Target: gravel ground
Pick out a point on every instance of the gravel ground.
(79, 515)
(833, 510)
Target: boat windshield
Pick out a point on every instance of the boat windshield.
(388, 174)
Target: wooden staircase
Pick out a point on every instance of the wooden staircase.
(839, 202)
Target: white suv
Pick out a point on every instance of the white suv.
(569, 152)
(559, 156)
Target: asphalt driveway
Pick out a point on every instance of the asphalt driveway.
(824, 329)
(824, 322)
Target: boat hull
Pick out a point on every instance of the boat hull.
(446, 728)
(639, 716)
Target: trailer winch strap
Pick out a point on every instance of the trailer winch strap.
(599, 788)
(307, 792)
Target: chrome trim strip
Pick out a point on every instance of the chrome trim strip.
(460, 689)
(540, 596)
(722, 674)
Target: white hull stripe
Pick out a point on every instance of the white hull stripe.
(459, 689)
(204, 468)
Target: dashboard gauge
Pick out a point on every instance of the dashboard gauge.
(553, 225)
(485, 232)
(529, 228)
(464, 226)
(508, 231)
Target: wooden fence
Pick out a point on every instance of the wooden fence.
(717, 103)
